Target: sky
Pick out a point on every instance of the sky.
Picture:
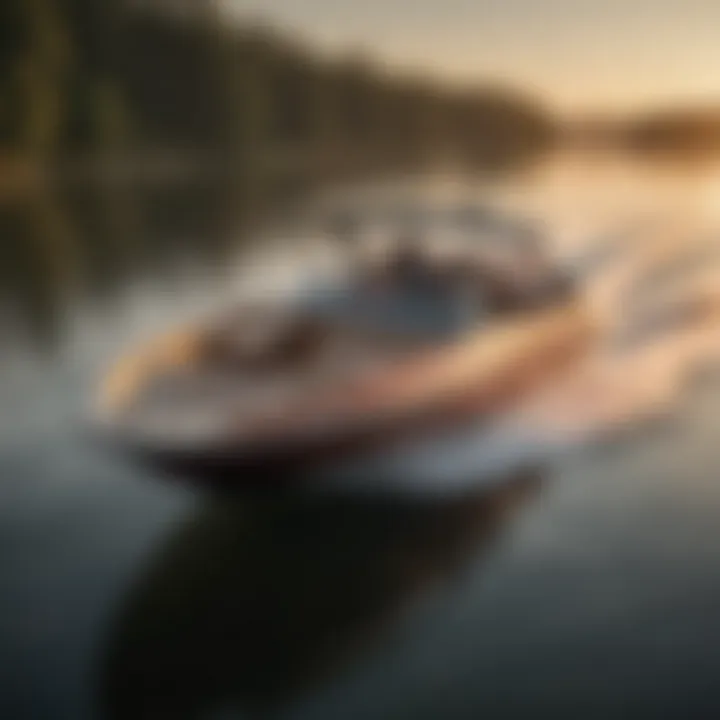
(577, 55)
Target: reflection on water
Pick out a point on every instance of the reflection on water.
(255, 600)
(83, 244)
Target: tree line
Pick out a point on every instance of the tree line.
(679, 132)
(81, 78)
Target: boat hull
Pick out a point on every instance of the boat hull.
(474, 379)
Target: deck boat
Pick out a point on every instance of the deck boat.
(404, 345)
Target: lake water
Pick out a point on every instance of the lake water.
(562, 562)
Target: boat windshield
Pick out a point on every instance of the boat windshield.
(410, 299)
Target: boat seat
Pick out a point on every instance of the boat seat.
(286, 344)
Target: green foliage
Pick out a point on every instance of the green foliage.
(111, 125)
(41, 75)
(79, 76)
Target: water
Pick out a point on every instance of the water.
(560, 562)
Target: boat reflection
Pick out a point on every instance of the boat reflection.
(256, 601)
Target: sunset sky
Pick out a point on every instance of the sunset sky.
(578, 55)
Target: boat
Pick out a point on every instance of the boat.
(398, 348)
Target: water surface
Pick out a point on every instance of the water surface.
(562, 563)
